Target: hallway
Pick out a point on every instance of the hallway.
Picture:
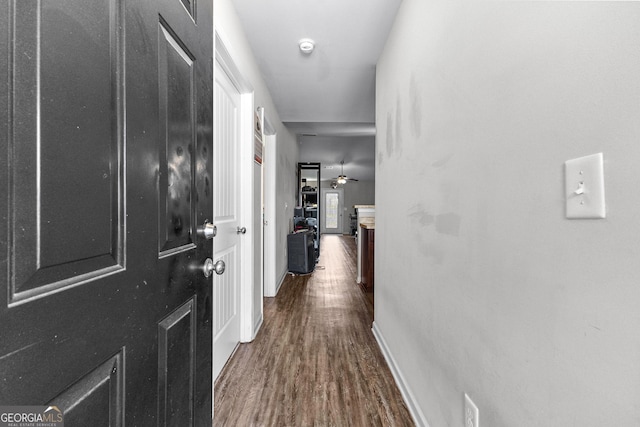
(315, 360)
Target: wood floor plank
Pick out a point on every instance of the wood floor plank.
(315, 361)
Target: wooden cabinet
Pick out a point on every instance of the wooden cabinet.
(365, 214)
(368, 255)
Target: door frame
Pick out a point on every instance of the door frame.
(269, 252)
(224, 57)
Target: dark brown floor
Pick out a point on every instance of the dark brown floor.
(315, 361)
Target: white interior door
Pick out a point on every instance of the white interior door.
(226, 213)
(332, 201)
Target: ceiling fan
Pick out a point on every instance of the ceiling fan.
(342, 178)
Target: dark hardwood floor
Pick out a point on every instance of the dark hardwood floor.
(315, 361)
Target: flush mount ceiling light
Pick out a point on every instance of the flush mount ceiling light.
(306, 46)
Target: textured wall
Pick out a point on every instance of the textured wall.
(482, 285)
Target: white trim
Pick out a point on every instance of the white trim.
(268, 127)
(409, 399)
(257, 326)
(225, 58)
(270, 219)
(283, 275)
(246, 217)
(258, 238)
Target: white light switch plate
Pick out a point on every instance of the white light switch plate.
(584, 187)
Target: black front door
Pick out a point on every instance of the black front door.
(105, 157)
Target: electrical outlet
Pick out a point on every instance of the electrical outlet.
(471, 412)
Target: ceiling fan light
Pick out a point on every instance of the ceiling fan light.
(342, 180)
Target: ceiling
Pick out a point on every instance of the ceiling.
(327, 97)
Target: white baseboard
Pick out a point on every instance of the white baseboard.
(281, 281)
(257, 327)
(409, 399)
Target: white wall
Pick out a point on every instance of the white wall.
(230, 30)
(492, 291)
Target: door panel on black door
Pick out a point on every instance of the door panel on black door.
(176, 369)
(100, 393)
(54, 138)
(177, 132)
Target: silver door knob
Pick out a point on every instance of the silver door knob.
(208, 230)
(241, 230)
(209, 267)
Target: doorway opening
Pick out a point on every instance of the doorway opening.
(332, 218)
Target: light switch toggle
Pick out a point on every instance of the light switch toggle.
(584, 187)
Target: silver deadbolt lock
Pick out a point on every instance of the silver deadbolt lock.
(241, 230)
(208, 230)
(209, 267)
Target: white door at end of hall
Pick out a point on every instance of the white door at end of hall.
(226, 213)
(332, 211)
